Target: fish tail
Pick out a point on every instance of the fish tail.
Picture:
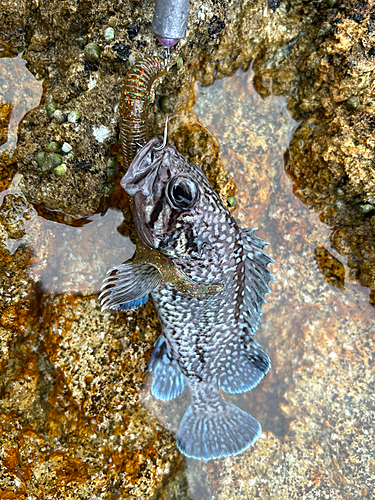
(216, 429)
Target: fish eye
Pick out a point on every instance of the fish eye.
(182, 192)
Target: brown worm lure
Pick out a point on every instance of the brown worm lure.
(134, 104)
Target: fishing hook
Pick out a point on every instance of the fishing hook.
(159, 148)
(166, 56)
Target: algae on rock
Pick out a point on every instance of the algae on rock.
(71, 418)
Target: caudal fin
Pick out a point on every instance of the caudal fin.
(223, 433)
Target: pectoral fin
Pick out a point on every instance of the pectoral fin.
(128, 288)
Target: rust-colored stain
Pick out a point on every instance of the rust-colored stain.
(331, 268)
(5, 112)
(11, 458)
(72, 471)
(51, 316)
(134, 463)
(8, 494)
(15, 284)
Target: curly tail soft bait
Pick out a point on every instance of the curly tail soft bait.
(134, 102)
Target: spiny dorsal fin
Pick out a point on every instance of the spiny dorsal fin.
(257, 277)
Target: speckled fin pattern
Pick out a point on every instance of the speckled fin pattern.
(168, 381)
(213, 428)
(257, 277)
(250, 366)
(130, 283)
(246, 362)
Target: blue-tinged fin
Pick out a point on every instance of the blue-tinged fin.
(244, 368)
(226, 431)
(168, 381)
(133, 304)
(131, 283)
(257, 277)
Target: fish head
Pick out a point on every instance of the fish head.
(173, 202)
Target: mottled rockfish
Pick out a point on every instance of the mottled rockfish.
(207, 279)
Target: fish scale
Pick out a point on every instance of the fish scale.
(208, 324)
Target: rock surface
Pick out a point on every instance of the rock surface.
(316, 405)
(76, 417)
(327, 72)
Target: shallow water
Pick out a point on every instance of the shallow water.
(67, 258)
(316, 405)
(20, 92)
(319, 335)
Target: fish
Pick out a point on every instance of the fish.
(168, 273)
(207, 278)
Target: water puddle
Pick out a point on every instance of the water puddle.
(19, 93)
(65, 258)
(316, 405)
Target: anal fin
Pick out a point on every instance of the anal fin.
(168, 381)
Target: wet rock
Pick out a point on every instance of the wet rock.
(337, 140)
(104, 372)
(71, 416)
(221, 36)
(86, 149)
(315, 404)
(16, 19)
(333, 146)
(16, 220)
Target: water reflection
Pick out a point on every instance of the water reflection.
(65, 258)
(316, 324)
(19, 93)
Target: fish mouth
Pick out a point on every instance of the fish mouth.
(140, 182)
(142, 172)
